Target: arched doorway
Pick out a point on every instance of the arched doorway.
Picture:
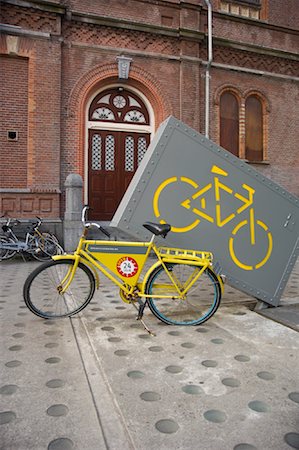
(119, 131)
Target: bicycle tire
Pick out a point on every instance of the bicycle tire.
(41, 294)
(6, 254)
(46, 248)
(201, 302)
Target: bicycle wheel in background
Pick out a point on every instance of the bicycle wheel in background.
(46, 248)
(201, 302)
(6, 254)
(41, 289)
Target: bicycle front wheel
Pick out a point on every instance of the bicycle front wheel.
(41, 289)
(201, 300)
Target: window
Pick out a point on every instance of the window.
(253, 129)
(244, 8)
(229, 122)
(243, 123)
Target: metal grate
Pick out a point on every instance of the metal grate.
(129, 154)
(110, 153)
(96, 152)
(141, 149)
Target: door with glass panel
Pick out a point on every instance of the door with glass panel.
(113, 159)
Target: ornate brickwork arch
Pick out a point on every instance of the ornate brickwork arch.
(98, 78)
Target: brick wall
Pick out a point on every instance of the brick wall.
(14, 117)
(66, 54)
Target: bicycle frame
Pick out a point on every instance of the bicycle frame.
(106, 255)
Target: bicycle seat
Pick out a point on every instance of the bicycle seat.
(157, 228)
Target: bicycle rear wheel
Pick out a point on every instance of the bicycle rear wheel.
(201, 302)
(41, 292)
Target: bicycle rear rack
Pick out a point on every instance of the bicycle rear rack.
(187, 254)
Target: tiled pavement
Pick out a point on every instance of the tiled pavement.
(99, 381)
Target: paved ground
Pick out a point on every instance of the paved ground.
(99, 381)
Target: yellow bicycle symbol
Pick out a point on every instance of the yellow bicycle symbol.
(219, 218)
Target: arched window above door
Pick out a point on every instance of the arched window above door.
(118, 106)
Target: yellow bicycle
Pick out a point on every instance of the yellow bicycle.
(180, 288)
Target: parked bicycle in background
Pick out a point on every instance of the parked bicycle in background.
(40, 245)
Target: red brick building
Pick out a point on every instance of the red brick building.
(66, 107)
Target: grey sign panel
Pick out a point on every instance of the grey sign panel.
(215, 202)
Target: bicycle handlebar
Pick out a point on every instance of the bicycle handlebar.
(92, 224)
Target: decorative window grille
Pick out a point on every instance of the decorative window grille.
(96, 152)
(141, 149)
(134, 116)
(110, 153)
(129, 154)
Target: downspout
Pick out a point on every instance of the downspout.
(207, 76)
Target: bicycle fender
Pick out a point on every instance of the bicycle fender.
(82, 261)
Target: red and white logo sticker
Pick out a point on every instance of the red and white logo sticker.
(127, 267)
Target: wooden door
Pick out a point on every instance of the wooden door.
(113, 159)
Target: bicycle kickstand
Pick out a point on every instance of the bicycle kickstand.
(140, 315)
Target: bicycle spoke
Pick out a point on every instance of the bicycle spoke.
(41, 289)
(200, 302)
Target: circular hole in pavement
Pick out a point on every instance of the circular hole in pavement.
(107, 328)
(53, 360)
(231, 382)
(191, 389)
(244, 446)
(174, 369)
(242, 358)
(292, 439)
(114, 339)
(214, 415)
(8, 389)
(61, 444)
(7, 417)
(121, 352)
(258, 406)
(144, 336)
(20, 325)
(266, 375)
(188, 345)
(294, 396)
(217, 341)
(51, 345)
(209, 363)
(150, 396)
(167, 426)
(55, 383)
(155, 348)
(57, 410)
(135, 374)
(135, 325)
(14, 363)
(15, 348)
(50, 332)
(239, 313)
(18, 335)
(96, 309)
(202, 330)
(174, 333)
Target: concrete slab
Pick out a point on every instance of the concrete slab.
(99, 381)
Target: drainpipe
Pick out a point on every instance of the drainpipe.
(207, 76)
